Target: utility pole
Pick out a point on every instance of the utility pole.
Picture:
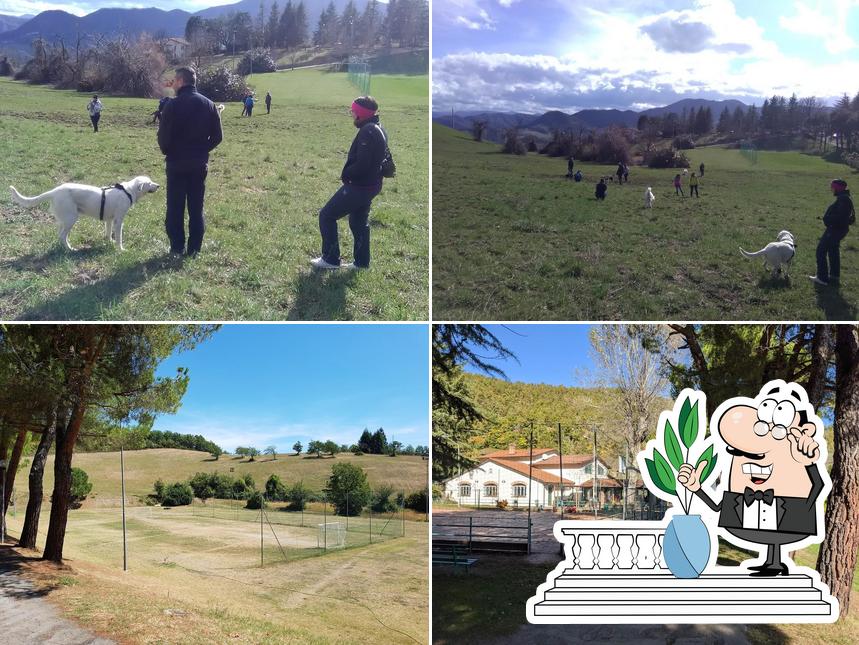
(594, 494)
(561, 458)
(530, 481)
(3, 504)
(124, 535)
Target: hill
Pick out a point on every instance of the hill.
(143, 467)
(313, 7)
(11, 22)
(511, 406)
(545, 249)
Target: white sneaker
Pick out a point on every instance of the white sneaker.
(817, 280)
(354, 267)
(320, 263)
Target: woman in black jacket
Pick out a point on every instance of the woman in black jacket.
(362, 181)
(837, 219)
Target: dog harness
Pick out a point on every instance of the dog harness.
(104, 193)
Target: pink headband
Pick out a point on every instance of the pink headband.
(361, 112)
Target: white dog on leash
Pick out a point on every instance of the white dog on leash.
(109, 204)
(776, 254)
(649, 198)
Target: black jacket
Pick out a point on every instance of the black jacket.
(839, 213)
(793, 514)
(190, 129)
(364, 163)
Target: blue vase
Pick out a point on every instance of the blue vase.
(686, 546)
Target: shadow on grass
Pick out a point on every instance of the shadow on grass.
(833, 304)
(321, 295)
(38, 261)
(86, 302)
(769, 282)
(12, 583)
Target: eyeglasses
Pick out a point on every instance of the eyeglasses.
(761, 428)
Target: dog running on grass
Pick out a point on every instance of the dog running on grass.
(649, 198)
(109, 204)
(776, 254)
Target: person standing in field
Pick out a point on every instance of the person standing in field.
(625, 174)
(190, 129)
(244, 104)
(94, 108)
(601, 189)
(619, 172)
(249, 105)
(701, 168)
(678, 185)
(693, 185)
(268, 102)
(837, 219)
(362, 182)
(570, 165)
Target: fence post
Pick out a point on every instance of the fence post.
(260, 536)
(347, 510)
(371, 525)
(470, 529)
(403, 514)
(325, 524)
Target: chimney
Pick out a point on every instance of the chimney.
(511, 449)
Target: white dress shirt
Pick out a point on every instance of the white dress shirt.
(760, 515)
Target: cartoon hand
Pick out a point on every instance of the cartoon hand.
(690, 476)
(803, 448)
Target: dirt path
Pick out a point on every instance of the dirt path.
(26, 617)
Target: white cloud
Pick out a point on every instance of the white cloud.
(825, 23)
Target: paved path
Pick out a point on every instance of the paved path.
(627, 635)
(27, 618)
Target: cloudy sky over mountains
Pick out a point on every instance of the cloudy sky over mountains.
(82, 7)
(537, 55)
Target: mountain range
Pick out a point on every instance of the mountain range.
(542, 126)
(17, 33)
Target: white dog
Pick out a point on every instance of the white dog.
(109, 204)
(220, 107)
(649, 198)
(776, 254)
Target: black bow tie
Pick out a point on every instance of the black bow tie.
(750, 496)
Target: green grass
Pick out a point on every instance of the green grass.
(143, 467)
(514, 240)
(267, 182)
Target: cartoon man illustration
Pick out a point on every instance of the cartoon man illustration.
(774, 478)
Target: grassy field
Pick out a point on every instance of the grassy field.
(514, 240)
(196, 571)
(143, 467)
(267, 182)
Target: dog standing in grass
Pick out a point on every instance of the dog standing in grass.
(649, 198)
(776, 254)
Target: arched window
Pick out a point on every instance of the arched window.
(465, 490)
(490, 489)
(520, 489)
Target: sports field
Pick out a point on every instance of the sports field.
(514, 240)
(266, 184)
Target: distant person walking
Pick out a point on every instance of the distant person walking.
(249, 105)
(601, 189)
(570, 165)
(619, 172)
(693, 185)
(94, 108)
(837, 219)
(678, 185)
(244, 104)
(362, 181)
(701, 168)
(268, 102)
(190, 129)
(625, 173)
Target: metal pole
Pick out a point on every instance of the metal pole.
(626, 479)
(347, 510)
(260, 534)
(594, 487)
(530, 481)
(371, 525)
(3, 504)
(325, 524)
(124, 536)
(561, 457)
(403, 513)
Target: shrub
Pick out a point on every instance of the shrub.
(683, 142)
(159, 490)
(612, 146)
(222, 84)
(262, 62)
(255, 500)
(298, 496)
(513, 144)
(348, 478)
(418, 501)
(178, 494)
(437, 491)
(80, 487)
(502, 504)
(6, 68)
(382, 502)
(275, 491)
(667, 158)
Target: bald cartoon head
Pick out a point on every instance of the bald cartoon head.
(771, 441)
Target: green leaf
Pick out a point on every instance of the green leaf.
(672, 446)
(710, 458)
(654, 475)
(666, 475)
(689, 430)
(684, 414)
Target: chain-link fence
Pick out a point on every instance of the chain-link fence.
(360, 73)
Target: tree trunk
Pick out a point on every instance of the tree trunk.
(837, 557)
(61, 498)
(821, 352)
(30, 530)
(12, 466)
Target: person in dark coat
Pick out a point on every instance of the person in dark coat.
(190, 129)
(619, 172)
(268, 102)
(94, 108)
(837, 219)
(570, 165)
(362, 181)
(701, 168)
(601, 189)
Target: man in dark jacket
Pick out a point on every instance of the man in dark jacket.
(190, 129)
(837, 219)
(362, 181)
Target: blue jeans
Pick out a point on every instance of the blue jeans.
(95, 118)
(354, 202)
(829, 246)
(185, 186)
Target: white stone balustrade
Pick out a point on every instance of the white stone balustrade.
(597, 547)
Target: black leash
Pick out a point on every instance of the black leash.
(104, 193)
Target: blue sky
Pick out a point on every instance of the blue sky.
(532, 56)
(264, 385)
(82, 7)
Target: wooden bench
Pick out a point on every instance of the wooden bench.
(450, 554)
